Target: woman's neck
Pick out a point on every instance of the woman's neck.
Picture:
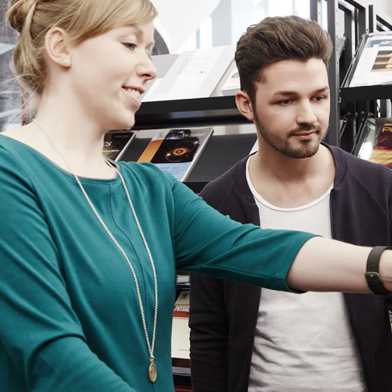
(72, 144)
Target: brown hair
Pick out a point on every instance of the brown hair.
(80, 19)
(275, 39)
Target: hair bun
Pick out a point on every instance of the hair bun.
(17, 13)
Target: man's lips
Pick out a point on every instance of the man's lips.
(304, 133)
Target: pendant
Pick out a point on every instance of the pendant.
(152, 371)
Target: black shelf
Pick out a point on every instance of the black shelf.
(188, 112)
(365, 93)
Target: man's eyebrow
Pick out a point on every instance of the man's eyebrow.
(292, 93)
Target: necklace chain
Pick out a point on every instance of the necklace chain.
(150, 345)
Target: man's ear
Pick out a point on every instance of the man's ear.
(244, 105)
(57, 47)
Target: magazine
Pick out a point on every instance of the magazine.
(116, 142)
(176, 150)
(382, 151)
(375, 62)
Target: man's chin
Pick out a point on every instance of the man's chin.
(302, 152)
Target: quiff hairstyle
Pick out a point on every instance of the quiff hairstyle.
(275, 39)
(80, 19)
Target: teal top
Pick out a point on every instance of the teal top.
(69, 319)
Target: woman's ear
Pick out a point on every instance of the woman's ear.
(244, 105)
(57, 47)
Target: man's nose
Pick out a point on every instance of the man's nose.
(306, 114)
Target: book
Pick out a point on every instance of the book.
(116, 142)
(181, 306)
(182, 281)
(176, 150)
(382, 150)
(192, 74)
(181, 332)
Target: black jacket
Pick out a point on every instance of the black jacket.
(224, 313)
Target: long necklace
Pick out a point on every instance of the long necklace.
(152, 371)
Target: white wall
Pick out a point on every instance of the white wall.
(383, 7)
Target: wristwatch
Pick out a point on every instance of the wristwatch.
(372, 273)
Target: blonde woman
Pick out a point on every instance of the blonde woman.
(89, 248)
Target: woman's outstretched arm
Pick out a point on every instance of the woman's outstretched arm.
(329, 265)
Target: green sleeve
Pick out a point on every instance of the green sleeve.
(39, 330)
(206, 240)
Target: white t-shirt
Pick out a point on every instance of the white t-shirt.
(303, 342)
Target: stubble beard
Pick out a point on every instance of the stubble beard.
(291, 146)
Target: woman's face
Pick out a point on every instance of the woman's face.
(109, 72)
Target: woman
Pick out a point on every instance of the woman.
(89, 249)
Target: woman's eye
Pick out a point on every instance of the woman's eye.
(130, 45)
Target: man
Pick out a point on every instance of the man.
(247, 339)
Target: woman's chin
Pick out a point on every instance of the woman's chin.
(124, 123)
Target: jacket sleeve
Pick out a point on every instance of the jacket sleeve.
(209, 327)
(209, 335)
(39, 330)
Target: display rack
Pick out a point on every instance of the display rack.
(365, 92)
(229, 143)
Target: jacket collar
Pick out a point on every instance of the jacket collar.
(243, 193)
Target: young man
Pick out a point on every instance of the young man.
(247, 339)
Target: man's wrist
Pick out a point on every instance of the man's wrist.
(386, 269)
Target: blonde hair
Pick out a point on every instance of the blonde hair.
(81, 19)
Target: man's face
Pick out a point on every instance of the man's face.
(291, 107)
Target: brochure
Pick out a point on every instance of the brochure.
(116, 142)
(375, 62)
(176, 150)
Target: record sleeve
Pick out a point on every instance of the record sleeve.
(176, 150)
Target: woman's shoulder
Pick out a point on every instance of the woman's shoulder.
(9, 151)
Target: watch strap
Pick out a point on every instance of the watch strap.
(372, 274)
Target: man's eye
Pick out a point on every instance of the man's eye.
(284, 102)
(320, 97)
(130, 45)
